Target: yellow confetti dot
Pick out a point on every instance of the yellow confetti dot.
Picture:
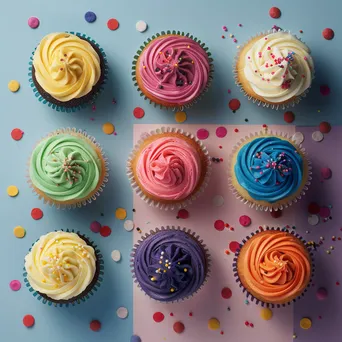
(305, 323)
(266, 314)
(19, 232)
(12, 191)
(180, 117)
(120, 213)
(13, 86)
(213, 324)
(108, 128)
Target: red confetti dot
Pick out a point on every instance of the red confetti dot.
(171, 314)
(138, 113)
(324, 127)
(234, 246)
(324, 89)
(112, 24)
(202, 134)
(251, 325)
(178, 327)
(221, 132)
(313, 208)
(95, 325)
(190, 314)
(219, 225)
(246, 323)
(274, 12)
(337, 283)
(105, 231)
(234, 104)
(236, 130)
(289, 117)
(158, 317)
(17, 134)
(276, 213)
(245, 220)
(36, 213)
(226, 293)
(324, 212)
(328, 33)
(28, 321)
(183, 214)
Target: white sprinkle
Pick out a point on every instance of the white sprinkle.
(317, 136)
(162, 253)
(141, 26)
(298, 138)
(122, 312)
(313, 220)
(116, 255)
(129, 225)
(218, 201)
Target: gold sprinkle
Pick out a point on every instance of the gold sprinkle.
(44, 281)
(160, 262)
(176, 65)
(188, 46)
(178, 263)
(192, 62)
(153, 278)
(185, 270)
(44, 262)
(166, 265)
(164, 271)
(172, 290)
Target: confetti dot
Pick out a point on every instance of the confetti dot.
(28, 321)
(202, 134)
(289, 117)
(274, 12)
(324, 127)
(95, 325)
(105, 231)
(313, 208)
(298, 138)
(218, 201)
(108, 128)
(226, 293)
(213, 324)
(158, 317)
(90, 17)
(36, 213)
(219, 225)
(138, 112)
(178, 327)
(321, 293)
(116, 255)
(221, 132)
(276, 213)
(122, 312)
(234, 246)
(112, 24)
(324, 212)
(234, 104)
(266, 314)
(129, 225)
(328, 33)
(313, 220)
(13, 86)
(141, 26)
(245, 220)
(15, 285)
(33, 22)
(19, 232)
(183, 214)
(12, 191)
(180, 117)
(317, 136)
(326, 172)
(324, 89)
(95, 227)
(120, 213)
(17, 134)
(305, 323)
(135, 338)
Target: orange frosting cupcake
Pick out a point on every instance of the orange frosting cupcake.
(274, 266)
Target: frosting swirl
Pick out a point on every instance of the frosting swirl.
(65, 167)
(66, 66)
(269, 168)
(169, 168)
(60, 265)
(279, 67)
(276, 266)
(170, 265)
(174, 69)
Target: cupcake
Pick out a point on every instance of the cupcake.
(273, 266)
(63, 268)
(68, 169)
(67, 70)
(274, 69)
(269, 171)
(169, 168)
(170, 264)
(172, 70)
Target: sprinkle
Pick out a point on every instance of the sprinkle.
(224, 28)
(112, 24)
(36, 213)
(138, 113)
(214, 324)
(120, 213)
(185, 270)
(172, 290)
(28, 321)
(324, 127)
(180, 117)
(226, 293)
(158, 317)
(221, 132)
(235, 40)
(183, 214)
(240, 25)
(246, 302)
(90, 17)
(202, 134)
(234, 104)
(274, 12)
(305, 323)
(19, 232)
(328, 33)
(129, 225)
(17, 134)
(122, 312)
(95, 227)
(141, 26)
(108, 128)
(15, 285)
(178, 327)
(13, 86)
(33, 22)
(116, 255)
(105, 231)
(95, 325)
(231, 35)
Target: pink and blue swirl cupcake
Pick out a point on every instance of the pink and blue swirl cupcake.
(170, 264)
(269, 171)
(173, 69)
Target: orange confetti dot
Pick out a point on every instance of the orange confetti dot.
(108, 128)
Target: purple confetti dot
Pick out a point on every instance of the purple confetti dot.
(324, 212)
(95, 227)
(221, 132)
(202, 134)
(90, 17)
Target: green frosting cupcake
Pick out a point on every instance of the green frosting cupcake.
(65, 167)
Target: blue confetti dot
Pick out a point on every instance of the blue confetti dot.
(90, 17)
(135, 338)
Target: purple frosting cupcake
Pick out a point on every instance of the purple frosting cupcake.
(170, 264)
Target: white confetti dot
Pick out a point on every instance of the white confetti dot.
(129, 225)
(298, 137)
(122, 312)
(116, 255)
(317, 136)
(313, 220)
(141, 26)
(218, 201)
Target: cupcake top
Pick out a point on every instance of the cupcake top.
(275, 265)
(170, 265)
(269, 168)
(174, 69)
(279, 67)
(60, 265)
(169, 168)
(66, 66)
(65, 167)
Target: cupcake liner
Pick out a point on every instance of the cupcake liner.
(271, 206)
(172, 228)
(275, 106)
(70, 109)
(87, 293)
(163, 33)
(94, 195)
(249, 295)
(167, 206)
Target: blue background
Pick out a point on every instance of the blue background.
(204, 19)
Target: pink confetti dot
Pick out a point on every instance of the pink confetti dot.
(202, 134)
(234, 246)
(15, 285)
(95, 227)
(183, 214)
(138, 113)
(226, 293)
(245, 220)
(33, 22)
(324, 89)
(326, 173)
(219, 225)
(324, 212)
(221, 132)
